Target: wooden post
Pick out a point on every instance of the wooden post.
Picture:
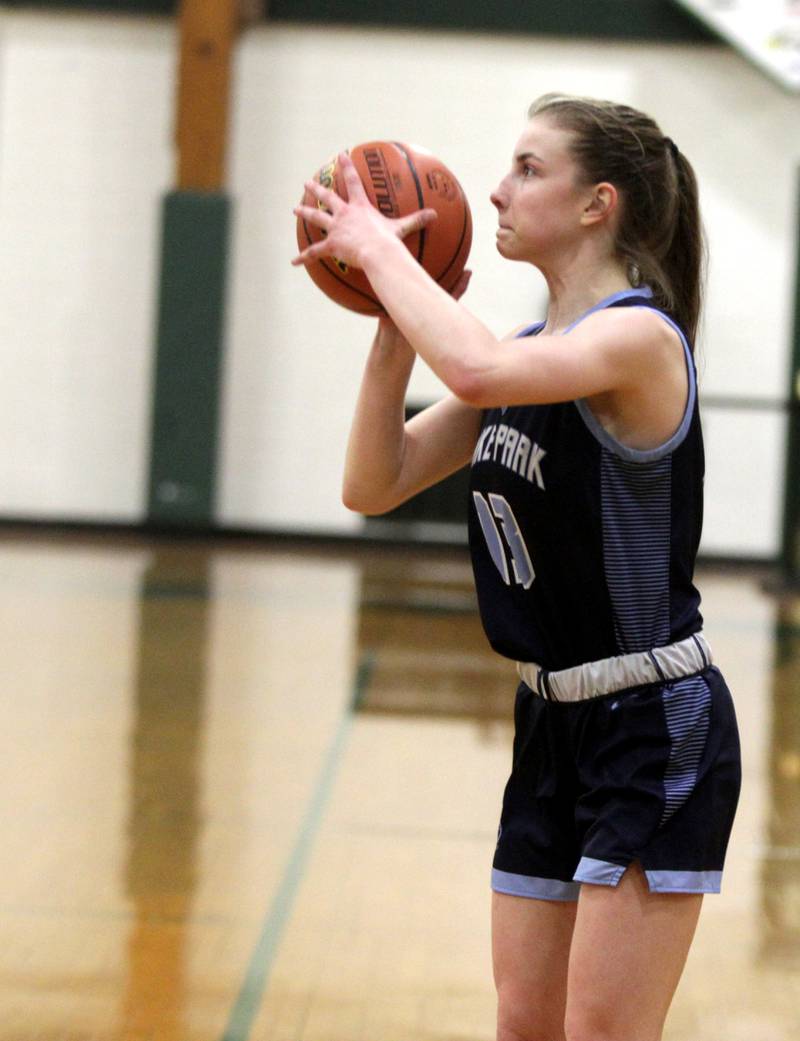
(196, 219)
(208, 30)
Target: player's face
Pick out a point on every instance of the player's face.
(541, 199)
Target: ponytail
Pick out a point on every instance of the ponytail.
(660, 234)
(686, 259)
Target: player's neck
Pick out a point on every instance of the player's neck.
(573, 293)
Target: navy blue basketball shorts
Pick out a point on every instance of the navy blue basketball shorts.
(649, 774)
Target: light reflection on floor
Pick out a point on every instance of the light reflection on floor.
(202, 839)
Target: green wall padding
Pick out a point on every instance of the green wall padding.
(616, 19)
(611, 19)
(189, 355)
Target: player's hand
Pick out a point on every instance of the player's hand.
(461, 285)
(350, 226)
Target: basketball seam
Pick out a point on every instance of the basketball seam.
(420, 195)
(460, 241)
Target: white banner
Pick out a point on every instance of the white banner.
(767, 32)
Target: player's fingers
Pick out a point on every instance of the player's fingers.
(416, 222)
(314, 215)
(317, 250)
(352, 180)
(324, 195)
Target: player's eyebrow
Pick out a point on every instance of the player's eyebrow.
(528, 155)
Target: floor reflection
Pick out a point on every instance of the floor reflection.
(419, 631)
(165, 808)
(176, 708)
(780, 943)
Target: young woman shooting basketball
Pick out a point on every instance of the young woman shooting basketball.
(586, 507)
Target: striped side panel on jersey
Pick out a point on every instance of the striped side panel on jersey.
(687, 704)
(636, 512)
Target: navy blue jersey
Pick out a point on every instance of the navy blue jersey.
(584, 548)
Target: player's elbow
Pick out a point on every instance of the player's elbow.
(472, 372)
(471, 386)
(354, 501)
(357, 500)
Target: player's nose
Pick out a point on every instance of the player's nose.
(499, 196)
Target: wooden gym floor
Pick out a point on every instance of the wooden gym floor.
(252, 793)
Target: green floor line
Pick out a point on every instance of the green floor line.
(251, 994)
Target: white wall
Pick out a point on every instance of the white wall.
(85, 154)
(85, 111)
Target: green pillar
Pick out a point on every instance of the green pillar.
(189, 359)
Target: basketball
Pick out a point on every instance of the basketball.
(399, 179)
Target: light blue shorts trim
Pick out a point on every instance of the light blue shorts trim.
(530, 886)
(602, 873)
(599, 872)
(684, 881)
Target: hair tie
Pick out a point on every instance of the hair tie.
(672, 147)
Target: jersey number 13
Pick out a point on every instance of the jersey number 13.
(510, 542)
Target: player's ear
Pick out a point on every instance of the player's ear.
(602, 204)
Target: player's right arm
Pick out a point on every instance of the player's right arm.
(388, 459)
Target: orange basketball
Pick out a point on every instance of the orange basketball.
(399, 179)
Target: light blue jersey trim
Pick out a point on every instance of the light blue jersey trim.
(607, 301)
(635, 455)
(598, 872)
(644, 291)
(684, 881)
(530, 330)
(530, 886)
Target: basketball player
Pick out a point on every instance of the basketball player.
(585, 515)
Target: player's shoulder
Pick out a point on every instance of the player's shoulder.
(631, 329)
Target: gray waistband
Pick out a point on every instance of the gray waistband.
(595, 678)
